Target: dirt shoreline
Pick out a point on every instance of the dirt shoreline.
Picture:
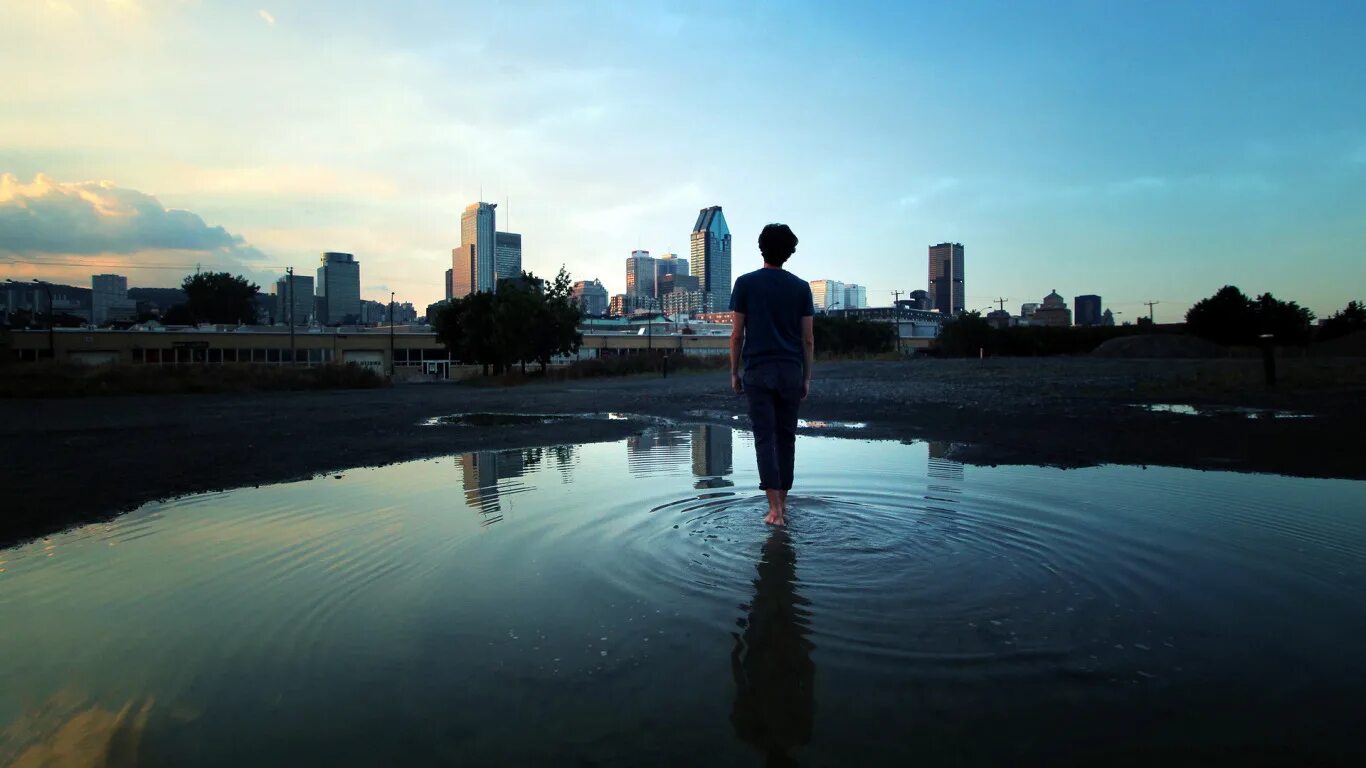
(75, 461)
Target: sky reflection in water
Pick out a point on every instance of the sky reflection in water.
(622, 603)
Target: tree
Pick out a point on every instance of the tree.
(964, 335)
(557, 331)
(1227, 317)
(1286, 321)
(852, 336)
(525, 321)
(219, 297)
(1347, 320)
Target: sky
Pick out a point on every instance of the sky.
(1140, 151)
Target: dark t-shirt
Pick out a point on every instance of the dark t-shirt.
(773, 301)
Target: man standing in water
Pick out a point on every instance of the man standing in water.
(772, 333)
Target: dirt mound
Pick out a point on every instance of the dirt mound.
(1158, 345)
(1351, 345)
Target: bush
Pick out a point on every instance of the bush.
(608, 366)
(853, 336)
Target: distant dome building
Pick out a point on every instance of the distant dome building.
(1053, 312)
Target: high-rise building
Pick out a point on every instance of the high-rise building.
(591, 296)
(946, 278)
(640, 274)
(474, 264)
(670, 283)
(338, 289)
(449, 274)
(827, 295)
(1088, 309)
(670, 264)
(920, 300)
(1028, 309)
(302, 299)
(109, 299)
(855, 296)
(711, 249)
(507, 256)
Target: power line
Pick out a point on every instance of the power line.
(109, 265)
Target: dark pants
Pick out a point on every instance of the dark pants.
(774, 391)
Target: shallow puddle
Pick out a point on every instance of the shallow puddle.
(623, 604)
(1221, 410)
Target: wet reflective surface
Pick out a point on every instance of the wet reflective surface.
(622, 604)
(1183, 409)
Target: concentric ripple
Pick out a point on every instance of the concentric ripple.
(446, 599)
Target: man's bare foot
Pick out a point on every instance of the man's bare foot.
(775, 517)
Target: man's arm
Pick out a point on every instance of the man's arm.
(737, 342)
(808, 351)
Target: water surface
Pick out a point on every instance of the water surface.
(623, 604)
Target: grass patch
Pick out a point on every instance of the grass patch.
(48, 379)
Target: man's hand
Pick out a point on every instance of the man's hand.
(806, 388)
(736, 384)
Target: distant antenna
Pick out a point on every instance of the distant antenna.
(1150, 309)
(896, 296)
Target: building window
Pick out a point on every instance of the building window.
(229, 355)
(272, 356)
(137, 354)
(154, 356)
(258, 355)
(215, 355)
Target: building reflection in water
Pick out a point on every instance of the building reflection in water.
(942, 467)
(711, 455)
(771, 662)
(658, 451)
(484, 474)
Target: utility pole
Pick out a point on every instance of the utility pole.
(391, 334)
(896, 314)
(1001, 303)
(51, 320)
(293, 353)
(1150, 309)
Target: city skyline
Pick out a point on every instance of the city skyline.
(1134, 154)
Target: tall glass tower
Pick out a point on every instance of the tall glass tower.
(711, 258)
(508, 261)
(338, 289)
(946, 278)
(474, 263)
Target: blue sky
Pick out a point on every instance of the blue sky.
(1136, 150)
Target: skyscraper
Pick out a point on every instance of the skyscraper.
(640, 274)
(109, 299)
(855, 296)
(1088, 309)
(827, 295)
(508, 256)
(474, 264)
(946, 278)
(302, 300)
(591, 297)
(670, 264)
(711, 257)
(338, 289)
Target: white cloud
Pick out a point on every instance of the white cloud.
(266, 16)
(72, 229)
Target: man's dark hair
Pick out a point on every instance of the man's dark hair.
(777, 243)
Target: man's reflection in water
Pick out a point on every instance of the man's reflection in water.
(774, 674)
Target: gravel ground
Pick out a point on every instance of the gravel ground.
(74, 461)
